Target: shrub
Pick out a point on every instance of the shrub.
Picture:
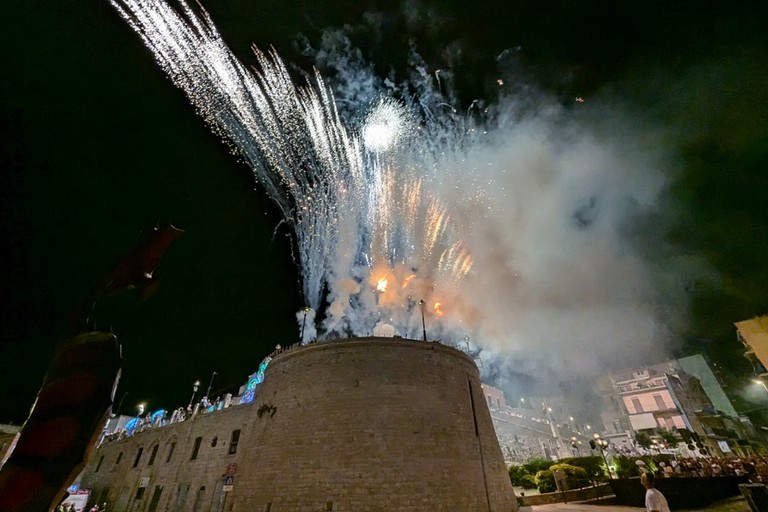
(517, 474)
(575, 477)
(594, 465)
(528, 482)
(545, 481)
(535, 465)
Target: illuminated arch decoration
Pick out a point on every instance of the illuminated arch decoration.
(256, 379)
(158, 414)
(131, 424)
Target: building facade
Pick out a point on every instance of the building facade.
(753, 333)
(677, 396)
(357, 425)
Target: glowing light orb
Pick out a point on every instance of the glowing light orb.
(438, 307)
(381, 284)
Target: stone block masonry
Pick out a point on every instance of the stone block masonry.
(372, 424)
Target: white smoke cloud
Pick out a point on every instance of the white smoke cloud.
(506, 224)
(543, 197)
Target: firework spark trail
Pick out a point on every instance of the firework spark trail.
(356, 214)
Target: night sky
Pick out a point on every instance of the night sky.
(97, 146)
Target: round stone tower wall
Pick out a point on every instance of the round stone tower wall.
(374, 425)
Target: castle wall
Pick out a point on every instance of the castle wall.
(361, 425)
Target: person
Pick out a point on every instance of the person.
(654, 500)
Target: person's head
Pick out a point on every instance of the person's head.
(648, 480)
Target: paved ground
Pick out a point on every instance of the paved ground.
(737, 504)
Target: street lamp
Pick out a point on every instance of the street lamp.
(140, 408)
(195, 387)
(210, 385)
(423, 323)
(576, 445)
(602, 444)
(304, 322)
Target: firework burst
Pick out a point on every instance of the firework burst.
(372, 238)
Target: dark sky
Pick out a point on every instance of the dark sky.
(97, 145)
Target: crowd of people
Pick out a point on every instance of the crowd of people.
(64, 507)
(755, 467)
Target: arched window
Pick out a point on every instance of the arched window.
(153, 454)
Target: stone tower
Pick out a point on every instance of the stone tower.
(365, 424)
(376, 424)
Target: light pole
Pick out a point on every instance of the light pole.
(119, 405)
(602, 444)
(195, 387)
(576, 445)
(210, 384)
(304, 322)
(140, 408)
(423, 323)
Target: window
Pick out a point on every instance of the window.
(196, 448)
(233, 441)
(637, 405)
(140, 492)
(170, 453)
(119, 458)
(214, 442)
(138, 456)
(660, 402)
(98, 466)
(153, 455)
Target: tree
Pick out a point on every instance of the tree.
(643, 440)
(669, 438)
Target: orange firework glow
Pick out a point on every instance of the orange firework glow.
(408, 280)
(381, 284)
(438, 307)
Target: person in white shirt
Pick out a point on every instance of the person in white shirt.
(654, 500)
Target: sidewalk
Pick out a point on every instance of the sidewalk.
(735, 504)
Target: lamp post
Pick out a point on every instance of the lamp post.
(119, 405)
(195, 387)
(423, 323)
(140, 410)
(210, 384)
(602, 444)
(304, 322)
(576, 445)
